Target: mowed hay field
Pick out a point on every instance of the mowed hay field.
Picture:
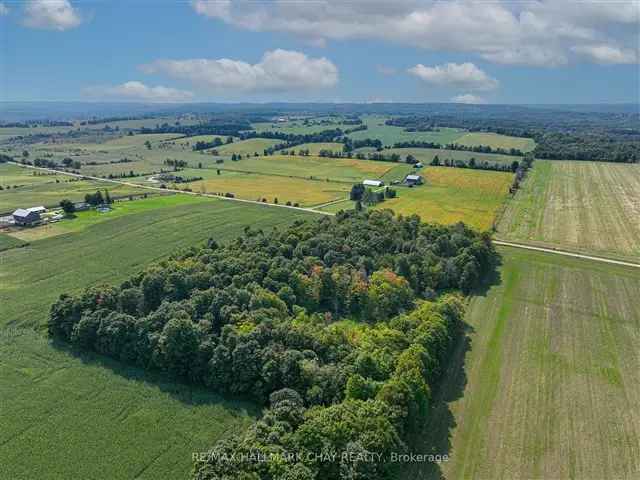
(495, 140)
(584, 206)
(71, 417)
(549, 386)
(452, 195)
(252, 186)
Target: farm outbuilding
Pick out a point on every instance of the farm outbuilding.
(27, 216)
(413, 180)
(373, 183)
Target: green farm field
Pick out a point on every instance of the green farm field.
(545, 386)
(496, 140)
(7, 242)
(389, 135)
(66, 416)
(453, 195)
(48, 190)
(72, 417)
(591, 207)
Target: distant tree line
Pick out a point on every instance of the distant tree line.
(596, 136)
(216, 142)
(262, 317)
(221, 127)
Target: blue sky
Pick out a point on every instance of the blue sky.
(324, 51)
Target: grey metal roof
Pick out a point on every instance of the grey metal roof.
(21, 212)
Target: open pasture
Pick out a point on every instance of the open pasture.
(452, 195)
(583, 206)
(495, 140)
(389, 135)
(548, 387)
(253, 186)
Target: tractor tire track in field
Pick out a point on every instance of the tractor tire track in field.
(565, 253)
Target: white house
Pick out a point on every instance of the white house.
(373, 183)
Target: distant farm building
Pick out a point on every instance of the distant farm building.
(412, 180)
(373, 183)
(81, 206)
(418, 165)
(28, 216)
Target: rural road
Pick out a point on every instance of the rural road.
(565, 253)
(171, 190)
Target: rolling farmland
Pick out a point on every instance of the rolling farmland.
(549, 386)
(588, 207)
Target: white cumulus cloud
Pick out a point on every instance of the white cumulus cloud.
(469, 99)
(457, 75)
(138, 91)
(537, 32)
(51, 15)
(278, 70)
(607, 54)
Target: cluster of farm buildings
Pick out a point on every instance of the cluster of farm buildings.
(409, 181)
(29, 217)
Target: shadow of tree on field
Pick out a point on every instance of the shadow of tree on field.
(191, 395)
(436, 435)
